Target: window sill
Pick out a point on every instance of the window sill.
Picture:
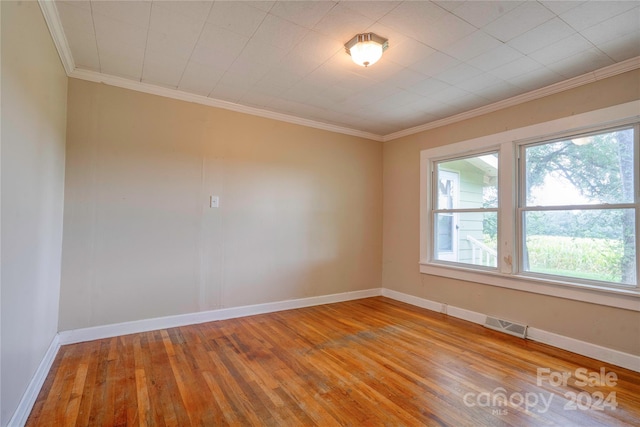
(628, 299)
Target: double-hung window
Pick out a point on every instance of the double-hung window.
(552, 208)
(577, 207)
(465, 212)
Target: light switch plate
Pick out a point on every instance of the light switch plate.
(214, 202)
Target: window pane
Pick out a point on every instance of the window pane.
(468, 183)
(596, 169)
(588, 244)
(445, 232)
(467, 237)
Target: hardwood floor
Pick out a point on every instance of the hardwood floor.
(367, 362)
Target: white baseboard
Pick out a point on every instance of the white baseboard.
(109, 331)
(594, 351)
(468, 315)
(584, 348)
(30, 395)
(413, 300)
(614, 357)
(618, 358)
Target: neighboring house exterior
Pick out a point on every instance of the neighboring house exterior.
(462, 185)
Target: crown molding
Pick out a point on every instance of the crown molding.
(51, 17)
(138, 86)
(593, 76)
(603, 73)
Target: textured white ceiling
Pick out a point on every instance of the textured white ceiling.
(445, 57)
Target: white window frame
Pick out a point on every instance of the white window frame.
(456, 211)
(507, 144)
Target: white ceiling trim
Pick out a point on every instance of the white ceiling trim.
(51, 17)
(55, 27)
(603, 73)
(212, 102)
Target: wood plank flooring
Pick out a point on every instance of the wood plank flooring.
(368, 362)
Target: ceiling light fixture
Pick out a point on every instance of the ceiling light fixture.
(582, 141)
(365, 49)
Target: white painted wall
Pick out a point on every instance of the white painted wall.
(33, 93)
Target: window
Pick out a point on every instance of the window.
(555, 214)
(467, 209)
(577, 207)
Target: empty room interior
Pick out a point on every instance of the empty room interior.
(326, 213)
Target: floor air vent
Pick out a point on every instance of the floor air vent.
(506, 327)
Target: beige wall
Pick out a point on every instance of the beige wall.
(300, 209)
(34, 90)
(606, 326)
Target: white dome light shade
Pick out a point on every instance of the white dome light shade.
(366, 53)
(366, 49)
(582, 141)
